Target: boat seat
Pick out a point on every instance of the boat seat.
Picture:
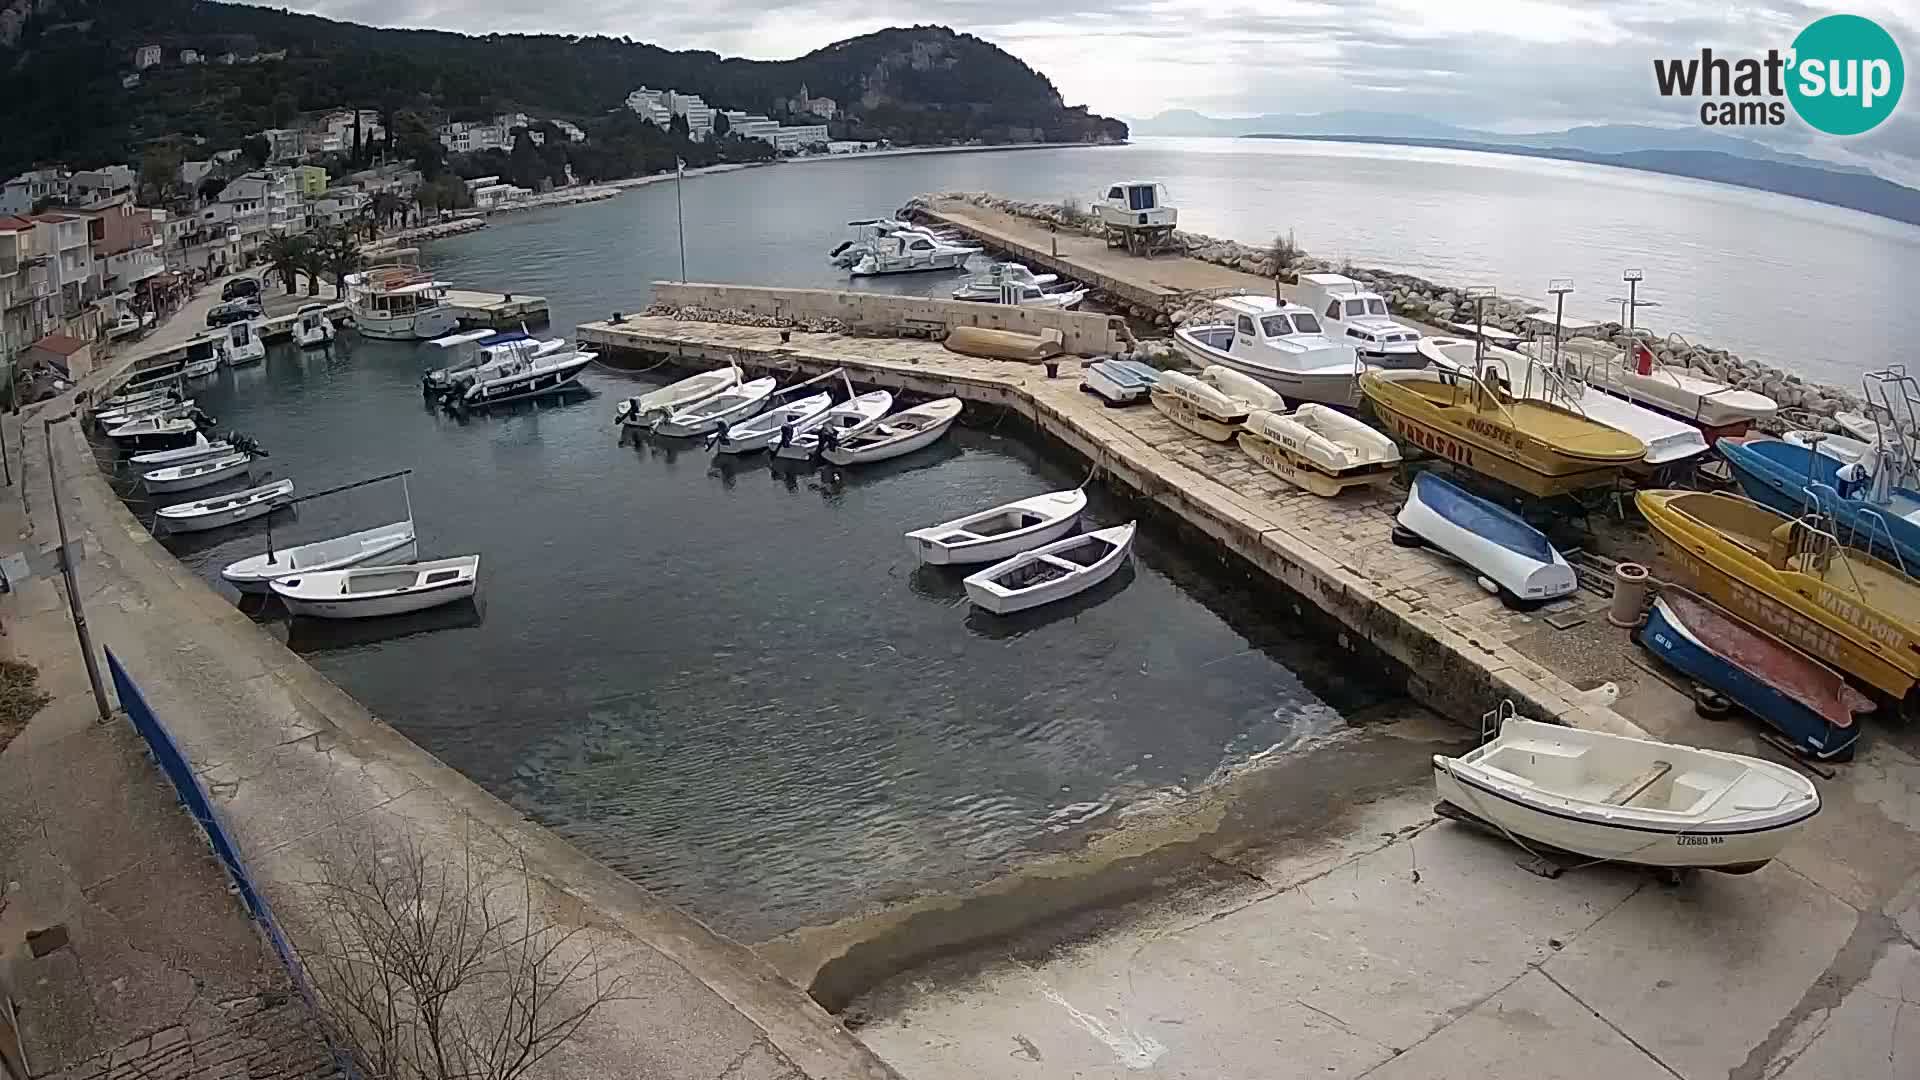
(1637, 786)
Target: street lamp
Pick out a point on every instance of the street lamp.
(1559, 287)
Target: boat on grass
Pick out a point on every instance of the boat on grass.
(229, 509)
(992, 535)
(365, 592)
(1198, 407)
(381, 545)
(1318, 449)
(1051, 572)
(849, 419)
(197, 474)
(1281, 345)
(1792, 578)
(710, 415)
(778, 424)
(896, 435)
(644, 409)
(1119, 382)
(1539, 448)
(1798, 696)
(1620, 799)
(1514, 559)
(1879, 518)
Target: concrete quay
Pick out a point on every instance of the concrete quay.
(496, 311)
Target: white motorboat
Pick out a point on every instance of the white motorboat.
(881, 246)
(243, 343)
(1668, 440)
(1357, 315)
(1197, 406)
(155, 434)
(1120, 382)
(1840, 448)
(1248, 391)
(399, 303)
(205, 356)
(896, 435)
(366, 592)
(197, 474)
(382, 545)
(529, 373)
(849, 419)
(229, 509)
(311, 327)
(1051, 572)
(1513, 559)
(198, 450)
(1012, 283)
(1860, 426)
(644, 409)
(992, 535)
(1316, 448)
(707, 416)
(1621, 799)
(1281, 345)
(153, 410)
(127, 401)
(780, 422)
(1721, 409)
(460, 358)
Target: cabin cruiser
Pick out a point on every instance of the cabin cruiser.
(243, 343)
(311, 327)
(205, 355)
(1349, 311)
(399, 303)
(1281, 345)
(1012, 283)
(896, 247)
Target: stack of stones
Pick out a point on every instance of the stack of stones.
(737, 317)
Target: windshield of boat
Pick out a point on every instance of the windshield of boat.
(1306, 323)
(1376, 306)
(1276, 326)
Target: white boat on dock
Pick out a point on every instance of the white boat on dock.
(229, 509)
(1512, 558)
(1318, 449)
(780, 422)
(992, 535)
(381, 545)
(311, 327)
(1248, 391)
(1619, 799)
(1051, 572)
(1720, 409)
(372, 591)
(849, 419)
(644, 409)
(710, 415)
(1198, 406)
(897, 435)
(1281, 345)
(1355, 314)
(1119, 382)
(197, 474)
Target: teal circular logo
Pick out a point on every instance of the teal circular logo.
(1846, 75)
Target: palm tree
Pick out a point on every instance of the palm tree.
(313, 264)
(285, 254)
(339, 255)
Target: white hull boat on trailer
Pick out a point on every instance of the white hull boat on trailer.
(789, 420)
(197, 474)
(382, 545)
(1619, 799)
(311, 327)
(229, 509)
(646, 408)
(1052, 572)
(708, 416)
(372, 591)
(846, 420)
(897, 435)
(1120, 382)
(1004, 531)
(1511, 555)
(1319, 449)
(1197, 406)
(1280, 345)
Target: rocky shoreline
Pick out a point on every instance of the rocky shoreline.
(1411, 297)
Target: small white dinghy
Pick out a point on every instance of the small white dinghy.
(992, 535)
(1198, 407)
(371, 591)
(1864, 428)
(138, 434)
(1513, 558)
(849, 419)
(734, 405)
(1629, 800)
(199, 450)
(382, 545)
(1245, 389)
(197, 474)
(897, 435)
(229, 509)
(161, 409)
(644, 409)
(1119, 382)
(1052, 572)
(782, 421)
(1319, 449)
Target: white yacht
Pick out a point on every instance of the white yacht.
(1280, 344)
(399, 303)
(1012, 283)
(881, 246)
(1350, 311)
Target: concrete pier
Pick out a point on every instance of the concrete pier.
(498, 311)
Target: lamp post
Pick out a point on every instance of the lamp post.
(1559, 287)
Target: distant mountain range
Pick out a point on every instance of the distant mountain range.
(1699, 154)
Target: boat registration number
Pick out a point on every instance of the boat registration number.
(1701, 841)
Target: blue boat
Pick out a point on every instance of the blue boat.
(1801, 698)
(1496, 542)
(1787, 478)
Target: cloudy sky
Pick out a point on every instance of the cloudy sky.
(1512, 65)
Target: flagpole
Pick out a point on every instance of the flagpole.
(680, 175)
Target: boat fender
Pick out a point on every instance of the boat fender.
(1487, 584)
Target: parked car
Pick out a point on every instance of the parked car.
(236, 311)
(240, 288)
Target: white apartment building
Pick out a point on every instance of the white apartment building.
(146, 56)
(337, 207)
(651, 106)
(469, 138)
(93, 185)
(68, 245)
(793, 140)
(751, 125)
(27, 290)
(284, 144)
(699, 114)
(19, 194)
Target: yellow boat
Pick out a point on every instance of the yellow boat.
(1541, 449)
(1794, 579)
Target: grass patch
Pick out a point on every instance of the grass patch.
(20, 698)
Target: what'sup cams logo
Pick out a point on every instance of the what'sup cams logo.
(1843, 75)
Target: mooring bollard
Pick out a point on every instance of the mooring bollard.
(1629, 594)
(1053, 368)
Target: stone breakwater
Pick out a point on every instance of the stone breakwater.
(1810, 404)
(737, 317)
